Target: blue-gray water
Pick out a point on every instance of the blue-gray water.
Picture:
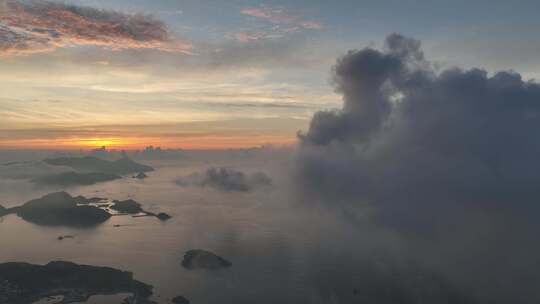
(285, 247)
(263, 232)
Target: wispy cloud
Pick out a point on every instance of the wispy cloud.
(38, 26)
(274, 32)
(282, 22)
(247, 35)
(279, 16)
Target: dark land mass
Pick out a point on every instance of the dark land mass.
(121, 166)
(23, 283)
(128, 206)
(60, 208)
(141, 175)
(92, 200)
(202, 259)
(3, 211)
(163, 216)
(62, 237)
(75, 178)
(132, 207)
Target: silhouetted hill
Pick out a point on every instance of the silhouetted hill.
(127, 206)
(60, 208)
(75, 178)
(22, 283)
(121, 166)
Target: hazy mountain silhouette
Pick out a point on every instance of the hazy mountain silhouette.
(75, 178)
(121, 166)
(22, 283)
(60, 208)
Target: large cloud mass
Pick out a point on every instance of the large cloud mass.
(450, 156)
(28, 26)
(408, 132)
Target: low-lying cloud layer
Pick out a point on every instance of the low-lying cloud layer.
(450, 157)
(28, 26)
(226, 179)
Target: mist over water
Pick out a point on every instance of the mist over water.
(269, 238)
(283, 249)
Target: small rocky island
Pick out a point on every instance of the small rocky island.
(75, 178)
(132, 207)
(141, 175)
(163, 216)
(202, 259)
(61, 209)
(128, 206)
(92, 200)
(23, 283)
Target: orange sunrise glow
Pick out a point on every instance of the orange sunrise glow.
(136, 143)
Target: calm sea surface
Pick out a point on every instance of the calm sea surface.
(261, 232)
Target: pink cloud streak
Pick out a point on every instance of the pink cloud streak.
(279, 16)
(40, 26)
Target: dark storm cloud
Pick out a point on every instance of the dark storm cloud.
(367, 79)
(226, 179)
(448, 157)
(407, 132)
(37, 26)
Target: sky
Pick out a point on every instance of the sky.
(206, 74)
